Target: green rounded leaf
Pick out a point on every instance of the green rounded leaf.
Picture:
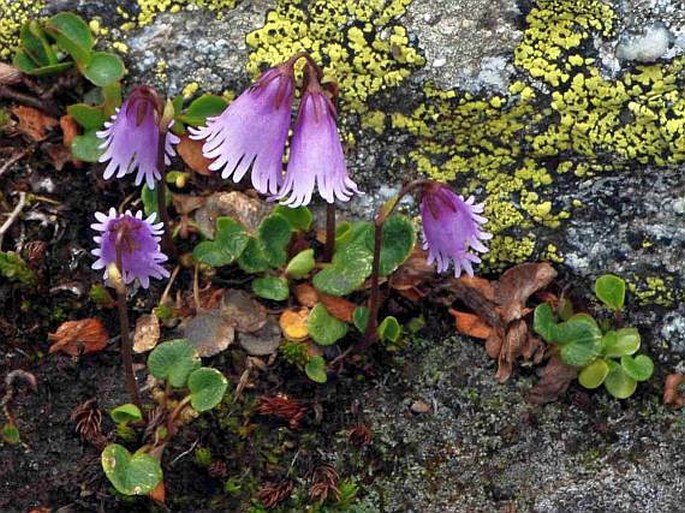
(88, 116)
(301, 264)
(543, 321)
(578, 354)
(10, 434)
(207, 387)
(360, 318)
(252, 259)
(611, 290)
(325, 329)
(618, 383)
(316, 369)
(581, 328)
(348, 271)
(86, 147)
(72, 34)
(203, 107)
(389, 330)
(136, 474)
(274, 234)
(126, 413)
(229, 242)
(639, 368)
(271, 287)
(173, 361)
(397, 241)
(104, 68)
(300, 218)
(35, 45)
(620, 342)
(593, 375)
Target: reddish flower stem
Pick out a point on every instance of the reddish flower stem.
(167, 242)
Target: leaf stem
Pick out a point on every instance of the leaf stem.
(167, 241)
(329, 247)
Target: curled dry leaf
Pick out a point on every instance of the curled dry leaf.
(245, 209)
(673, 395)
(209, 332)
(413, 273)
(306, 295)
(185, 203)
(191, 153)
(338, 307)
(242, 311)
(517, 284)
(147, 333)
(79, 337)
(69, 129)
(470, 324)
(556, 378)
(293, 323)
(264, 341)
(33, 122)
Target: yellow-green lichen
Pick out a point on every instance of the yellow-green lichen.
(13, 14)
(360, 44)
(149, 9)
(654, 290)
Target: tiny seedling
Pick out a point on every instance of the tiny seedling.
(603, 355)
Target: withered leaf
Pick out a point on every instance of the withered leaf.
(673, 395)
(555, 380)
(147, 333)
(293, 323)
(33, 122)
(413, 273)
(191, 153)
(262, 342)
(185, 203)
(306, 295)
(209, 332)
(470, 324)
(69, 128)
(338, 307)
(79, 337)
(517, 284)
(242, 311)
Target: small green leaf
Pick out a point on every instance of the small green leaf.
(88, 116)
(351, 266)
(301, 264)
(565, 310)
(126, 413)
(50, 70)
(207, 387)
(200, 109)
(593, 375)
(271, 287)
(86, 147)
(389, 330)
(35, 45)
(14, 268)
(173, 361)
(228, 244)
(10, 434)
(543, 321)
(104, 68)
(611, 290)
(325, 329)
(149, 198)
(274, 234)
(72, 34)
(618, 383)
(360, 318)
(316, 369)
(111, 96)
(580, 338)
(300, 218)
(621, 342)
(252, 259)
(397, 241)
(136, 474)
(23, 62)
(639, 368)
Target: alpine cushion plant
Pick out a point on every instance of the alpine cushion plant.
(451, 229)
(316, 154)
(132, 244)
(252, 131)
(132, 136)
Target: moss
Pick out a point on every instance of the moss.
(13, 14)
(361, 45)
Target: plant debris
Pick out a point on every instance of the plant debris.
(79, 337)
(209, 332)
(264, 341)
(34, 123)
(242, 311)
(673, 395)
(147, 333)
(556, 377)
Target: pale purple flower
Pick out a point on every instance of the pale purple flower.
(131, 138)
(451, 229)
(252, 131)
(316, 154)
(138, 239)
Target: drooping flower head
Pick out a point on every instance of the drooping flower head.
(252, 131)
(316, 154)
(451, 229)
(137, 239)
(132, 135)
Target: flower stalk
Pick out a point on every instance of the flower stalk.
(164, 123)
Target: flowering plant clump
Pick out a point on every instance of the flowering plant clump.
(132, 244)
(451, 227)
(132, 136)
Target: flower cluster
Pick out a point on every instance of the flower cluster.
(451, 229)
(252, 133)
(131, 243)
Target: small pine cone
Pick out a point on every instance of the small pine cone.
(88, 419)
(217, 469)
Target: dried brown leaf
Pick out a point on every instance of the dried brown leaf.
(555, 380)
(33, 122)
(338, 307)
(241, 310)
(79, 337)
(147, 333)
(471, 325)
(306, 295)
(191, 153)
(413, 273)
(517, 284)
(673, 395)
(185, 203)
(293, 323)
(70, 129)
(264, 341)
(209, 332)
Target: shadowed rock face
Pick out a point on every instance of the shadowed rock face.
(481, 448)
